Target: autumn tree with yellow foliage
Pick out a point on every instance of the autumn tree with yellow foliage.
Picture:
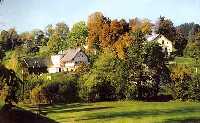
(113, 34)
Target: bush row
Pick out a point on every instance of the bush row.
(67, 88)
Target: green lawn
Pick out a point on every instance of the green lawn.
(184, 60)
(124, 112)
(190, 62)
(1, 104)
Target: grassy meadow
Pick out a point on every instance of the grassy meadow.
(123, 112)
(184, 60)
(1, 103)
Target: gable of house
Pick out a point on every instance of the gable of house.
(165, 43)
(81, 57)
(70, 55)
(56, 60)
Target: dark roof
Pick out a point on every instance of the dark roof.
(70, 54)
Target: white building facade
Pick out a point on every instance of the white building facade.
(67, 60)
(72, 59)
(56, 64)
(165, 43)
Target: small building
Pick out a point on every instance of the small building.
(55, 65)
(67, 60)
(165, 43)
(72, 58)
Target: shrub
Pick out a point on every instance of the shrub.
(56, 91)
(179, 87)
(30, 84)
(194, 88)
(106, 80)
(37, 97)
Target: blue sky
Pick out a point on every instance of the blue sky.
(26, 15)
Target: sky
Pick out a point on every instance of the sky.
(26, 15)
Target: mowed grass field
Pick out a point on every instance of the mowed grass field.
(124, 112)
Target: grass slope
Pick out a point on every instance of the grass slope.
(125, 112)
(1, 103)
(184, 60)
(189, 62)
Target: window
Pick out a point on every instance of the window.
(163, 41)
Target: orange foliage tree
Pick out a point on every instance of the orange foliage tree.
(114, 35)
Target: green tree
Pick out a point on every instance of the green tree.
(78, 34)
(147, 70)
(62, 29)
(8, 78)
(106, 80)
(193, 47)
(13, 39)
(194, 88)
(192, 50)
(197, 38)
(180, 43)
(137, 73)
(15, 62)
(49, 30)
(57, 37)
(154, 58)
(3, 39)
(179, 87)
(166, 28)
(27, 38)
(55, 44)
(192, 34)
(9, 39)
(185, 29)
(39, 38)
(2, 54)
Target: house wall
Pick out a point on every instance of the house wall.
(79, 58)
(69, 66)
(166, 44)
(56, 60)
(54, 69)
(56, 64)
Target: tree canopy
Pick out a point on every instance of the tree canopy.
(8, 78)
(78, 34)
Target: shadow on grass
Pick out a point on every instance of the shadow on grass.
(57, 106)
(141, 114)
(68, 108)
(190, 120)
(18, 115)
(75, 110)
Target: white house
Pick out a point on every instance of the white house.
(56, 64)
(165, 43)
(67, 60)
(72, 58)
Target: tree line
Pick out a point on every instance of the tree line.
(123, 65)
